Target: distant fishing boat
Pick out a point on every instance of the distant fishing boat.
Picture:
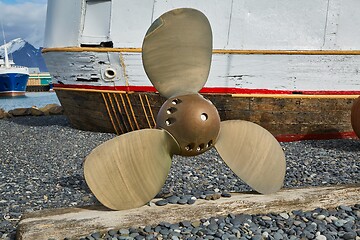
(39, 82)
(13, 79)
(290, 66)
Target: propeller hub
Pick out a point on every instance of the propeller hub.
(192, 120)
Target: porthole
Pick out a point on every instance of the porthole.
(110, 73)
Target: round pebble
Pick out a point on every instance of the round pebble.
(161, 202)
(284, 215)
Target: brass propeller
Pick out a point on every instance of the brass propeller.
(129, 170)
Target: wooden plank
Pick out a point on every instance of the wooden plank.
(78, 222)
(218, 51)
(78, 96)
(302, 118)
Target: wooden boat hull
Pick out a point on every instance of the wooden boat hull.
(288, 117)
(304, 51)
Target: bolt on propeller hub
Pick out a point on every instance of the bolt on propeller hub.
(193, 122)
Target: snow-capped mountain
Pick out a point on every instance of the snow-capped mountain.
(24, 54)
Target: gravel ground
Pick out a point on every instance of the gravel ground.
(41, 167)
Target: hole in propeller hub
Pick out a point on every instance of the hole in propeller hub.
(204, 116)
(192, 120)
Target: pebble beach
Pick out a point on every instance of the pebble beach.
(41, 168)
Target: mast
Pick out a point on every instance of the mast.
(7, 64)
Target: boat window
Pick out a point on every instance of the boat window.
(96, 22)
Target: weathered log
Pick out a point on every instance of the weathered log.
(4, 114)
(52, 109)
(56, 110)
(20, 112)
(77, 222)
(34, 111)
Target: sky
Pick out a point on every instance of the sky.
(23, 19)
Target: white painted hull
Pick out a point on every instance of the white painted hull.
(298, 73)
(266, 29)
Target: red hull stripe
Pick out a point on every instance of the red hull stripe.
(218, 90)
(320, 136)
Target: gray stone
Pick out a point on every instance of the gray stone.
(161, 202)
(256, 237)
(284, 215)
(266, 218)
(320, 237)
(182, 201)
(173, 199)
(320, 217)
(278, 236)
(185, 223)
(349, 235)
(225, 194)
(339, 223)
(124, 231)
(346, 208)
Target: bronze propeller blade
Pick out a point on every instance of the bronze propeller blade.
(177, 52)
(253, 154)
(129, 170)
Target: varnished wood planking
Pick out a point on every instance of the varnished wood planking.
(302, 118)
(93, 126)
(299, 104)
(80, 109)
(278, 115)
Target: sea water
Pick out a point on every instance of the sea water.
(38, 99)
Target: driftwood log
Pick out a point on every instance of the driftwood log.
(77, 222)
(49, 109)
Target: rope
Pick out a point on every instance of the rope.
(127, 114)
(108, 111)
(123, 66)
(132, 111)
(120, 112)
(113, 108)
(143, 107)
(152, 115)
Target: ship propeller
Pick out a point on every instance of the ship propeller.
(129, 170)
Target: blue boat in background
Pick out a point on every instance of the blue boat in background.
(13, 79)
